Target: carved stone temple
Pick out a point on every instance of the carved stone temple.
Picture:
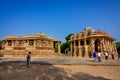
(88, 41)
(38, 44)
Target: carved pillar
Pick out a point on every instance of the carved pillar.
(74, 48)
(85, 47)
(105, 44)
(34, 43)
(103, 49)
(79, 48)
(101, 44)
(71, 47)
(27, 43)
(7, 43)
(59, 47)
(12, 43)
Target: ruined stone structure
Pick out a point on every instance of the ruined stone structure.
(88, 41)
(38, 44)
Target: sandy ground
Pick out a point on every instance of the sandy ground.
(107, 72)
(19, 71)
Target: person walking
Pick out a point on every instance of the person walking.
(99, 56)
(28, 59)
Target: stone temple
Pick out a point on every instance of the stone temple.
(38, 44)
(88, 41)
(81, 44)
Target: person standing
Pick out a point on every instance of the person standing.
(28, 59)
(99, 56)
(118, 55)
(94, 55)
(106, 55)
(113, 55)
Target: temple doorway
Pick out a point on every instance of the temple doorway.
(97, 44)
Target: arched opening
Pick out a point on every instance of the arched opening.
(97, 44)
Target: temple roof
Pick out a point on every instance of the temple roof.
(90, 32)
(39, 35)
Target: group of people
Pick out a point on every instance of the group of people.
(95, 55)
(106, 54)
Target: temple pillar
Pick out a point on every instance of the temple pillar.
(105, 45)
(85, 47)
(79, 48)
(34, 43)
(12, 43)
(71, 47)
(92, 45)
(101, 45)
(74, 48)
(59, 50)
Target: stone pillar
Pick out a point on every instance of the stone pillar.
(92, 45)
(74, 48)
(12, 43)
(71, 47)
(6, 43)
(105, 44)
(34, 43)
(101, 45)
(85, 47)
(59, 47)
(27, 43)
(79, 47)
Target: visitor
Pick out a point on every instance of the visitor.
(90, 54)
(99, 56)
(112, 55)
(94, 55)
(28, 59)
(118, 55)
(106, 55)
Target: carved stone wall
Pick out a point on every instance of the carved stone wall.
(37, 44)
(89, 41)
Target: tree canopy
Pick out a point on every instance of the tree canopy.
(0, 44)
(118, 46)
(65, 44)
(68, 37)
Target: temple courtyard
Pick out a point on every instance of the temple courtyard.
(59, 68)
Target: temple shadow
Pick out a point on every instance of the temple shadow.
(40, 71)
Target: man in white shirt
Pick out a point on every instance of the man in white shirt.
(106, 55)
(99, 56)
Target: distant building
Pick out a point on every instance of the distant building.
(38, 44)
(88, 41)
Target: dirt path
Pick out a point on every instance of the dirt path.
(108, 72)
(19, 71)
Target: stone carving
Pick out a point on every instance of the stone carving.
(36, 42)
(99, 41)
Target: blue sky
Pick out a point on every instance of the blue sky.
(58, 18)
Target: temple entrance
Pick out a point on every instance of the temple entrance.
(97, 44)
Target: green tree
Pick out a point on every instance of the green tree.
(64, 45)
(0, 44)
(56, 48)
(68, 37)
(118, 46)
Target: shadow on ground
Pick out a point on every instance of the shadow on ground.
(39, 71)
